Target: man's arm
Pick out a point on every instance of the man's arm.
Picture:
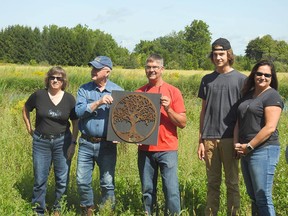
(178, 119)
(83, 108)
(201, 148)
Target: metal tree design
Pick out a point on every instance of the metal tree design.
(132, 109)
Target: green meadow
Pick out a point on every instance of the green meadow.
(16, 171)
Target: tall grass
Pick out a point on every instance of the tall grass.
(16, 178)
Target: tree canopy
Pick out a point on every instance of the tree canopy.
(187, 49)
(58, 45)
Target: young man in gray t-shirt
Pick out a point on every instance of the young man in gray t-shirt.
(220, 91)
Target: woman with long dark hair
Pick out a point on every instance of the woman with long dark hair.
(256, 135)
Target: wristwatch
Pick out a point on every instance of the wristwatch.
(249, 147)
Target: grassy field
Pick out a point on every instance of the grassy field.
(16, 179)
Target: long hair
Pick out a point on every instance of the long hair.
(230, 56)
(250, 82)
(56, 70)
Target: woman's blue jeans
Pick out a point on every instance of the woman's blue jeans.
(45, 153)
(104, 154)
(149, 164)
(258, 168)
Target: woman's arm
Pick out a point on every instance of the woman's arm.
(272, 116)
(26, 118)
(75, 130)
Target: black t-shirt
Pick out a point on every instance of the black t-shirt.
(51, 118)
(251, 115)
(221, 91)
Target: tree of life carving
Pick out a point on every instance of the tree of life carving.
(133, 109)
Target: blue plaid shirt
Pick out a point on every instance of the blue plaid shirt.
(93, 123)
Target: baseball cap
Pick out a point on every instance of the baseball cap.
(100, 62)
(224, 43)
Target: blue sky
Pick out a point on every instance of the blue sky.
(129, 21)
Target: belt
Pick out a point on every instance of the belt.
(93, 139)
(49, 136)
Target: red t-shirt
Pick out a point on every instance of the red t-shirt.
(167, 137)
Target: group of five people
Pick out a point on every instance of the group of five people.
(238, 119)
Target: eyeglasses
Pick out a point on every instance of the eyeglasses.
(57, 78)
(261, 74)
(152, 67)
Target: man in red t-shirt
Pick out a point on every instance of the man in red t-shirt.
(164, 155)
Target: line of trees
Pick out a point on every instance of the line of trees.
(57, 45)
(186, 49)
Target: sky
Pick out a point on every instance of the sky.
(130, 21)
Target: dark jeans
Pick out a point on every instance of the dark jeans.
(46, 152)
(104, 154)
(258, 169)
(148, 164)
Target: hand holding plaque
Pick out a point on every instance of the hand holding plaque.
(134, 117)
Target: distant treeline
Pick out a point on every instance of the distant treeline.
(187, 49)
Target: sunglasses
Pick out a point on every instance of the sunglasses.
(57, 78)
(261, 74)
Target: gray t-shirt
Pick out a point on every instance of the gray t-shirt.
(221, 91)
(251, 115)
